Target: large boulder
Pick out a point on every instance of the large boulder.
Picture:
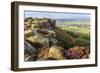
(56, 52)
(53, 53)
(77, 52)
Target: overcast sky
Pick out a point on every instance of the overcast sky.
(56, 15)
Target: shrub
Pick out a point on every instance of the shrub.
(82, 42)
(64, 39)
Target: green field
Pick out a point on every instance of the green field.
(80, 34)
(76, 22)
(76, 29)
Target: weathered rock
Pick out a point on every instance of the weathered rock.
(77, 53)
(28, 33)
(28, 51)
(56, 52)
(44, 22)
(27, 46)
(42, 53)
(53, 53)
(43, 31)
(29, 58)
(37, 45)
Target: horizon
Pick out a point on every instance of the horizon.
(57, 15)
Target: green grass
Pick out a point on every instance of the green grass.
(64, 39)
(76, 22)
(75, 29)
(81, 35)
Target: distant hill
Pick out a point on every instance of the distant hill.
(72, 21)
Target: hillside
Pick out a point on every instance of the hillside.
(44, 40)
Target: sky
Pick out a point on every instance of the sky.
(57, 15)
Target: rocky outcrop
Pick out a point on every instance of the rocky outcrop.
(33, 23)
(45, 41)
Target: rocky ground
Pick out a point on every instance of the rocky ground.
(45, 41)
